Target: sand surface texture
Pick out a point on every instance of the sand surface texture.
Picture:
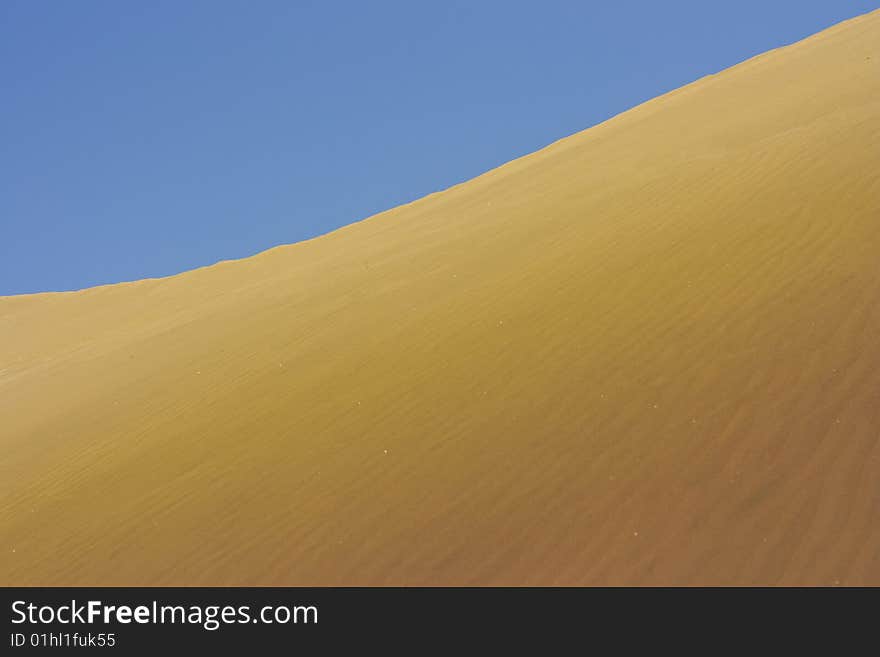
(647, 354)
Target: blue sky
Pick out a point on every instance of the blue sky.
(142, 139)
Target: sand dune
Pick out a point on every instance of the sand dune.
(647, 354)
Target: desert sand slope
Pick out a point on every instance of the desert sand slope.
(647, 354)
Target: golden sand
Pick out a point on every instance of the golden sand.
(647, 354)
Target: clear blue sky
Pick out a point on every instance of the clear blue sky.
(146, 138)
